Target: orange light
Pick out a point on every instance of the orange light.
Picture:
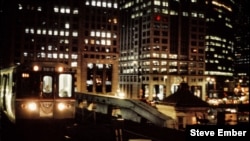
(35, 68)
(60, 69)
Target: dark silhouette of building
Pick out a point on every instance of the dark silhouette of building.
(242, 43)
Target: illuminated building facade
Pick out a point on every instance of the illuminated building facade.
(162, 44)
(156, 44)
(165, 42)
(219, 42)
(242, 44)
(81, 33)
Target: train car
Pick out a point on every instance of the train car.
(39, 90)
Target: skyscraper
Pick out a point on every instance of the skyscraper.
(164, 42)
(219, 41)
(81, 33)
(242, 43)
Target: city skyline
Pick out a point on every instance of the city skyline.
(132, 47)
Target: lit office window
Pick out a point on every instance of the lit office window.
(55, 32)
(109, 4)
(107, 49)
(104, 4)
(194, 14)
(185, 14)
(115, 5)
(92, 33)
(67, 25)
(156, 55)
(157, 2)
(201, 15)
(163, 63)
(172, 12)
(43, 55)
(66, 41)
(55, 55)
(98, 34)
(26, 30)
(155, 63)
(32, 31)
(44, 32)
(74, 56)
(75, 34)
(38, 31)
(163, 55)
(165, 11)
(93, 3)
(163, 69)
(108, 42)
(25, 54)
(50, 32)
(103, 42)
(20, 7)
(73, 64)
(66, 33)
(115, 21)
(67, 10)
(75, 11)
(103, 34)
(39, 8)
(86, 41)
(66, 56)
(99, 4)
(165, 4)
(61, 56)
(108, 35)
(49, 47)
(92, 41)
(61, 33)
(49, 55)
(62, 10)
(56, 9)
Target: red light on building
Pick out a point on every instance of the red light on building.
(158, 18)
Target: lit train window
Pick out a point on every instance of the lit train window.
(65, 85)
(47, 84)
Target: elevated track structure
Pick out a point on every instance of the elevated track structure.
(129, 109)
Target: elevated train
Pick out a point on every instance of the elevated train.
(39, 90)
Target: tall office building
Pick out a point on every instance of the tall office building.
(164, 42)
(219, 42)
(81, 33)
(242, 44)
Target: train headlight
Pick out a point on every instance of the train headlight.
(35, 68)
(32, 106)
(61, 106)
(60, 69)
